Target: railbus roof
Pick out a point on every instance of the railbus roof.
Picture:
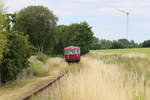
(71, 47)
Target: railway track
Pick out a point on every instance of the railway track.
(50, 83)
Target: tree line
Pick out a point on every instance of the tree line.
(117, 44)
(34, 30)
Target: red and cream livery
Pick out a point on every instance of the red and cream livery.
(72, 53)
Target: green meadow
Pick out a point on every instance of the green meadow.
(131, 50)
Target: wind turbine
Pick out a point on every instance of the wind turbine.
(127, 19)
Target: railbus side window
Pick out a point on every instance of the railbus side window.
(78, 51)
(66, 52)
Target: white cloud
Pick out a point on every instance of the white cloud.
(91, 8)
(130, 4)
(146, 25)
(16, 5)
(84, 7)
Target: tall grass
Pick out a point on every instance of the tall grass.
(133, 63)
(45, 66)
(42, 57)
(99, 81)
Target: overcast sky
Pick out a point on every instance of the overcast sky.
(107, 22)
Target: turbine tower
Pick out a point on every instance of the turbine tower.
(127, 23)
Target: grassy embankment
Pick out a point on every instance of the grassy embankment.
(44, 69)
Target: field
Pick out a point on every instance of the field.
(100, 75)
(145, 51)
(106, 75)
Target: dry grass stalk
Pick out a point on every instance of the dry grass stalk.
(99, 81)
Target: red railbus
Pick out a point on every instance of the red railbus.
(72, 53)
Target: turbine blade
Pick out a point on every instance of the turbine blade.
(121, 11)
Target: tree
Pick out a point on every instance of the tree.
(11, 20)
(3, 44)
(62, 37)
(95, 45)
(14, 49)
(105, 44)
(124, 43)
(116, 45)
(146, 43)
(39, 23)
(81, 35)
(133, 44)
(77, 34)
(3, 21)
(3, 39)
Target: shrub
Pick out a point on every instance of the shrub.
(15, 58)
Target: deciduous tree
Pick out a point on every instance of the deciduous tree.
(146, 43)
(39, 23)
(81, 35)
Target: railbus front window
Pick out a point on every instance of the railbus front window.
(72, 51)
(75, 51)
(69, 51)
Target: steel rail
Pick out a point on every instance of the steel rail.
(50, 83)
